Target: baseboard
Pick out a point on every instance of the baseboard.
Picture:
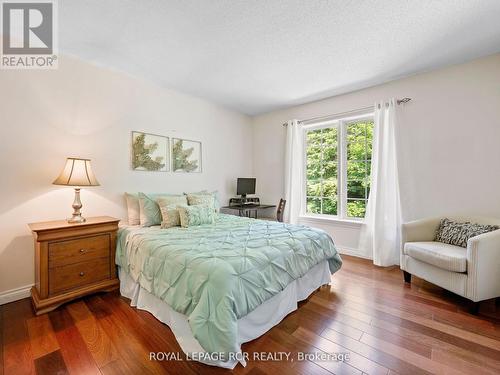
(353, 252)
(15, 294)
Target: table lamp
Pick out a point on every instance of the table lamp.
(77, 172)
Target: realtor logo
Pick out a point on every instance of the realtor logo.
(29, 34)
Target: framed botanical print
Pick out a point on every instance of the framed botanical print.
(150, 152)
(186, 155)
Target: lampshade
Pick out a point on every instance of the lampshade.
(77, 172)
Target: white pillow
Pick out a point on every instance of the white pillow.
(133, 209)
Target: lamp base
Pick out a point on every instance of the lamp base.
(77, 206)
(77, 219)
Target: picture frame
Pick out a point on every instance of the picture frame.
(186, 156)
(150, 152)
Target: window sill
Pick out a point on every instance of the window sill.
(332, 220)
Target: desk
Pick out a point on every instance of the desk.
(246, 209)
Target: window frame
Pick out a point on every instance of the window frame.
(340, 122)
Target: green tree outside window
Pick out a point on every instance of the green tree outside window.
(322, 168)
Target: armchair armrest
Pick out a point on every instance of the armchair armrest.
(419, 230)
(483, 265)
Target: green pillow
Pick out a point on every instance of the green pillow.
(196, 215)
(150, 213)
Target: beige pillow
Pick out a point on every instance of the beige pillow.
(133, 210)
(214, 193)
(206, 199)
(169, 213)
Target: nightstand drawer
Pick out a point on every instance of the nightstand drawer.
(79, 250)
(76, 275)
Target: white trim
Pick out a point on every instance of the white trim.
(331, 220)
(15, 294)
(348, 115)
(353, 252)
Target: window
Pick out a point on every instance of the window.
(337, 167)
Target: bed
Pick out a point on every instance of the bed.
(220, 285)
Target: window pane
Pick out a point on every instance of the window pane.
(329, 206)
(356, 132)
(313, 205)
(330, 153)
(356, 170)
(356, 208)
(369, 149)
(314, 163)
(359, 147)
(314, 137)
(313, 188)
(368, 168)
(356, 151)
(369, 130)
(369, 139)
(323, 153)
(313, 172)
(356, 189)
(366, 184)
(313, 153)
(329, 171)
(330, 136)
(329, 188)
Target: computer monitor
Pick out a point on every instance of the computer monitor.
(245, 186)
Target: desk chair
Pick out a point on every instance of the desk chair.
(279, 212)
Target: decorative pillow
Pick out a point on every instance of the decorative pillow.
(457, 233)
(150, 213)
(214, 193)
(169, 212)
(204, 198)
(196, 215)
(133, 210)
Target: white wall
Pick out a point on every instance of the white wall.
(450, 136)
(449, 142)
(88, 111)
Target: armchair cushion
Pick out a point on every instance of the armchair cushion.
(445, 256)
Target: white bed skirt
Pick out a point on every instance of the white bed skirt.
(251, 326)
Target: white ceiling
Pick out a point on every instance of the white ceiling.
(256, 56)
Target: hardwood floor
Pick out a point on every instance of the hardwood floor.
(385, 326)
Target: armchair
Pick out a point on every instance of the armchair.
(471, 272)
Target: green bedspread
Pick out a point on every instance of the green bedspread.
(218, 273)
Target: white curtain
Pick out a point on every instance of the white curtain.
(381, 233)
(293, 171)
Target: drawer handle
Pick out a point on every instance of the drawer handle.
(82, 273)
(82, 251)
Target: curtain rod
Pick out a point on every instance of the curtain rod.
(399, 101)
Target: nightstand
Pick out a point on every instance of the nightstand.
(73, 260)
